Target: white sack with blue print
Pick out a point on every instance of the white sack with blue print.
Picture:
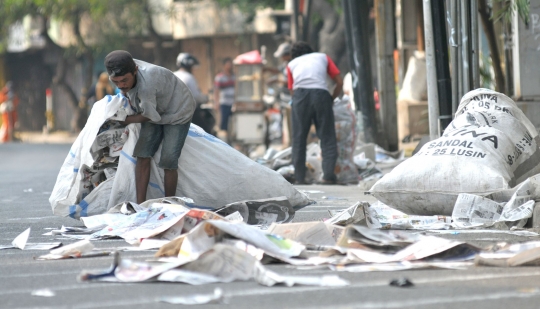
(99, 171)
(489, 146)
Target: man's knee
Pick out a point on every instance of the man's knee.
(143, 160)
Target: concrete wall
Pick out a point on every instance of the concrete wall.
(531, 109)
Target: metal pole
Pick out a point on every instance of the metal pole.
(459, 43)
(306, 15)
(475, 53)
(385, 30)
(452, 19)
(433, 95)
(356, 29)
(441, 63)
(465, 47)
(295, 33)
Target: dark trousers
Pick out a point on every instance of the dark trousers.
(313, 106)
(226, 112)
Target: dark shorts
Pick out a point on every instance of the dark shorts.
(173, 137)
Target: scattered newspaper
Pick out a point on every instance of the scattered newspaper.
(221, 263)
(351, 215)
(524, 254)
(21, 242)
(472, 211)
(204, 236)
(381, 216)
(308, 233)
(356, 235)
(75, 250)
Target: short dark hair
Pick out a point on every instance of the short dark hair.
(227, 59)
(119, 63)
(300, 48)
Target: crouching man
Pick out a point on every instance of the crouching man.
(164, 108)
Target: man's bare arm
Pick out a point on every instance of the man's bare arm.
(135, 119)
(339, 85)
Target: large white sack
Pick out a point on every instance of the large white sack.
(488, 147)
(210, 172)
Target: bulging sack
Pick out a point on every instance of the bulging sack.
(210, 172)
(490, 146)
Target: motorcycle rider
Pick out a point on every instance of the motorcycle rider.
(201, 117)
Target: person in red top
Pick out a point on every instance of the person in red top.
(8, 109)
(312, 103)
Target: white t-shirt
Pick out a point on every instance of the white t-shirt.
(310, 70)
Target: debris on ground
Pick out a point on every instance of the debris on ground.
(196, 299)
(43, 293)
(476, 178)
(380, 216)
(261, 212)
(352, 215)
(83, 248)
(21, 242)
(401, 283)
(354, 165)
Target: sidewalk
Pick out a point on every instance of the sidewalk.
(36, 137)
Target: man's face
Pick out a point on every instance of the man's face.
(124, 82)
(286, 58)
(227, 66)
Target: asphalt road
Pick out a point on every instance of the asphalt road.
(27, 176)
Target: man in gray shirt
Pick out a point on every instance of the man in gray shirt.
(164, 108)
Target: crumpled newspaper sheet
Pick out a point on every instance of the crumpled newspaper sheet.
(503, 210)
(21, 242)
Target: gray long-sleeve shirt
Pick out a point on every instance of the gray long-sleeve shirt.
(160, 96)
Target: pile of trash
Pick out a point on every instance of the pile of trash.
(357, 163)
(99, 171)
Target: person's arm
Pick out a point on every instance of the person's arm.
(339, 85)
(190, 81)
(334, 73)
(197, 94)
(290, 81)
(134, 119)
(200, 98)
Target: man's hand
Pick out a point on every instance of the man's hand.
(134, 119)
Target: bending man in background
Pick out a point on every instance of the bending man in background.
(312, 103)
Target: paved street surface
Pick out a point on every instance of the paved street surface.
(27, 176)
